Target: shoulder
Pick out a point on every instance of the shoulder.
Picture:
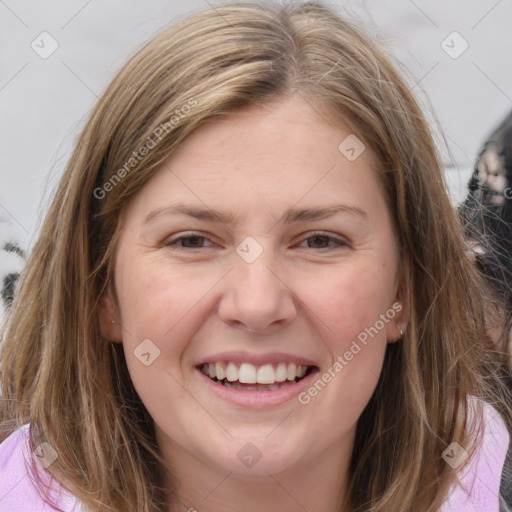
(479, 480)
(18, 492)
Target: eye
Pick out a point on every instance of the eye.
(322, 240)
(192, 241)
(316, 240)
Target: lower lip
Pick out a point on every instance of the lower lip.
(257, 399)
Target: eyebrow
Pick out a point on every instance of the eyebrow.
(290, 216)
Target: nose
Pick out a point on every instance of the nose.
(258, 296)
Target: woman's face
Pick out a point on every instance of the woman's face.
(262, 250)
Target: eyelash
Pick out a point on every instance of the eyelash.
(171, 242)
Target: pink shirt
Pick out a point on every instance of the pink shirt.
(480, 480)
(478, 492)
(17, 490)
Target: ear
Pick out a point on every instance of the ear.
(401, 306)
(109, 319)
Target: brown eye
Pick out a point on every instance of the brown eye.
(322, 241)
(193, 241)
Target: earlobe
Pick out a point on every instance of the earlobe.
(398, 325)
(109, 320)
(398, 322)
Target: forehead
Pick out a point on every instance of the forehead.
(266, 159)
(292, 129)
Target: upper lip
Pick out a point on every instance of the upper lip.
(256, 359)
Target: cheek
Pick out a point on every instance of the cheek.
(161, 301)
(145, 297)
(349, 300)
(158, 302)
(348, 305)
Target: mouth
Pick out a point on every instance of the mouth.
(249, 377)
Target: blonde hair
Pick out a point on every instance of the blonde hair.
(72, 385)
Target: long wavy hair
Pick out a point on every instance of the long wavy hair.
(72, 385)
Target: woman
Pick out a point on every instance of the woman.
(251, 282)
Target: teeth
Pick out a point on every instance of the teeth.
(231, 372)
(266, 374)
(220, 374)
(255, 387)
(281, 372)
(247, 373)
(291, 371)
(301, 370)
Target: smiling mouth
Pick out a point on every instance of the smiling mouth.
(247, 377)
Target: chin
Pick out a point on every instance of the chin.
(256, 456)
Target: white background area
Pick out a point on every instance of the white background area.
(44, 102)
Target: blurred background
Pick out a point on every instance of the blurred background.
(56, 58)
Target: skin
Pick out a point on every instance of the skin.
(303, 295)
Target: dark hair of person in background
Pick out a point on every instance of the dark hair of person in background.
(486, 215)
